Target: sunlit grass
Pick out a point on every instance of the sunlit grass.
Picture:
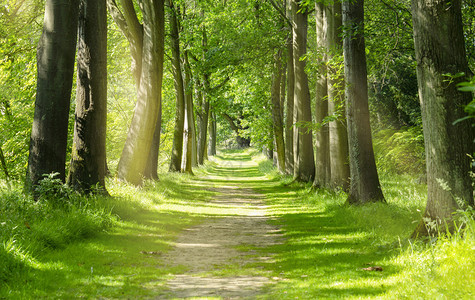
(113, 247)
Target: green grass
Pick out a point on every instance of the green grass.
(111, 247)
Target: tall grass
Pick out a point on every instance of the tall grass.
(30, 228)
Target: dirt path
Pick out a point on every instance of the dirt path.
(229, 241)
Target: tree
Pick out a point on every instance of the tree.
(304, 164)
(146, 41)
(364, 181)
(55, 57)
(322, 145)
(277, 112)
(188, 136)
(338, 134)
(177, 149)
(88, 158)
(289, 121)
(440, 54)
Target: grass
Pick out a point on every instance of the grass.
(101, 247)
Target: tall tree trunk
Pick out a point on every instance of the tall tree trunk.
(136, 152)
(338, 134)
(88, 167)
(212, 134)
(55, 57)
(187, 162)
(322, 147)
(305, 168)
(177, 148)
(440, 50)
(364, 185)
(4, 164)
(276, 112)
(202, 114)
(289, 121)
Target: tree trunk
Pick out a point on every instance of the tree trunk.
(136, 152)
(276, 112)
(289, 130)
(364, 185)
(203, 114)
(304, 170)
(338, 134)
(440, 50)
(212, 134)
(151, 171)
(87, 168)
(177, 148)
(187, 162)
(55, 57)
(4, 164)
(322, 147)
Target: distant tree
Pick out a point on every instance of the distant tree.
(289, 121)
(277, 117)
(440, 54)
(55, 57)
(88, 158)
(189, 126)
(364, 183)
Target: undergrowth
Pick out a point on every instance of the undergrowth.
(30, 228)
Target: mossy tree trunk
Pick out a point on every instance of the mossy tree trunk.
(440, 50)
(88, 167)
(364, 183)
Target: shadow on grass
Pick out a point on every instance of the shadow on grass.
(325, 250)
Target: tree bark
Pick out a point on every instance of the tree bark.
(136, 152)
(304, 170)
(338, 134)
(289, 130)
(187, 163)
(440, 50)
(322, 147)
(278, 125)
(212, 134)
(4, 164)
(364, 185)
(55, 59)
(88, 167)
(177, 148)
(203, 115)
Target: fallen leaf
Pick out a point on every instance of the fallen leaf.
(374, 268)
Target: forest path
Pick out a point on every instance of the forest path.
(220, 256)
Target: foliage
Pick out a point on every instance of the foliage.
(19, 33)
(400, 151)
